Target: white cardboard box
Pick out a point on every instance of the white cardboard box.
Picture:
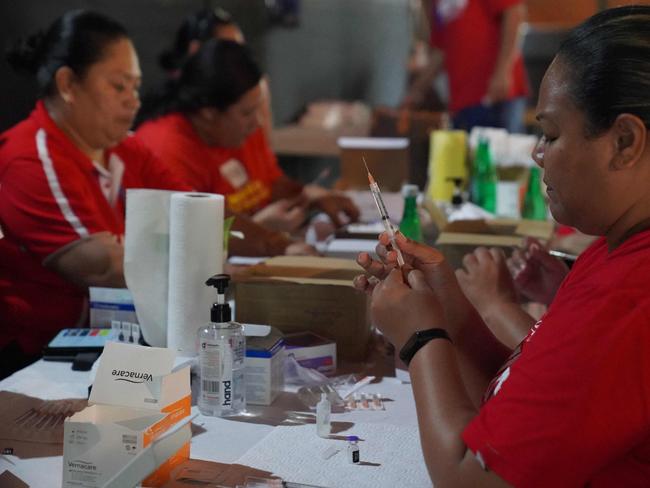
(264, 368)
(135, 399)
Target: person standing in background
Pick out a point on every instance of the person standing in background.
(478, 44)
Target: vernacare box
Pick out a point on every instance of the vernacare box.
(135, 399)
(264, 371)
(306, 293)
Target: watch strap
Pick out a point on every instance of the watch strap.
(418, 340)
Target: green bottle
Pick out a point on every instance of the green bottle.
(484, 183)
(534, 203)
(410, 225)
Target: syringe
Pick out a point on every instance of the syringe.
(385, 220)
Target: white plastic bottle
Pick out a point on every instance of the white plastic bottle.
(323, 412)
(222, 347)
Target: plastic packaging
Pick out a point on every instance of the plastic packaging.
(323, 413)
(222, 347)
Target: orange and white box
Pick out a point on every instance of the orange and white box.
(136, 397)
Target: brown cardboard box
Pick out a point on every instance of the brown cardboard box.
(463, 236)
(307, 293)
(387, 159)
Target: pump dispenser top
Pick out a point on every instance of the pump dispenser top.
(220, 311)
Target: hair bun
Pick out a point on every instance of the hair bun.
(26, 54)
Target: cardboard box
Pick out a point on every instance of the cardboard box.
(302, 293)
(264, 371)
(135, 399)
(463, 236)
(312, 351)
(387, 159)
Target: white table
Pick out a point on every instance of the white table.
(228, 440)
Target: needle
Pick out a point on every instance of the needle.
(376, 194)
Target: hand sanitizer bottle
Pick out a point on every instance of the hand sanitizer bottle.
(222, 347)
(323, 412)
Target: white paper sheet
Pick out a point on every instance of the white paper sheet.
(146, 260)
(390, 457)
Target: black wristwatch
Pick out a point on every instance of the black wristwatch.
(419, 339)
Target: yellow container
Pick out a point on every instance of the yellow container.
(447, 159)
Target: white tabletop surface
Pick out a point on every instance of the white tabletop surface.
(217, 439)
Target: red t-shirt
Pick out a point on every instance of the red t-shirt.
(572, 408)
(52, 195)
(244, 175)
(470, 43)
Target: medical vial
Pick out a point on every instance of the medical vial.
(222, 348)
(353, 449)
(323, 413)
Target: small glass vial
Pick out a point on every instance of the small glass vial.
(353, 449)
(222, 347)
(323, 413)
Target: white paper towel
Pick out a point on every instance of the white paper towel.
(195, 254)
(173, 244)
(146, 260)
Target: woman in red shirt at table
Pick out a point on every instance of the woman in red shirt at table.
(210, 131)
(569, 406)
(64, 172)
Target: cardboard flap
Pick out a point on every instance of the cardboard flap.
(131, 376)
(305, 269)
(456, 238)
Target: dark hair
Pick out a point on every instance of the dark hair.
(608, 66)
(77, 40)
(198, 26)
(216, 76)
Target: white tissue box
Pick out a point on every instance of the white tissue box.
(312, 351)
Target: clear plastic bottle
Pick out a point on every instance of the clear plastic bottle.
(222, 347)
(410, 225)
(323, 413)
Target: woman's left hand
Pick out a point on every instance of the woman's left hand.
(399, 309)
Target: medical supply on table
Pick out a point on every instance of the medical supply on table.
(410, 224)
(330, 452)
(222, 345)
(323, 413)
(376, 195)
(353, 449)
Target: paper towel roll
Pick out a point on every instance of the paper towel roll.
(146, 260)
(195, 254)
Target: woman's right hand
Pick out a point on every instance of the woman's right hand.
(537, 275)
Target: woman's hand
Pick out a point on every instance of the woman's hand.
(537, 275)
(399, 309)
(332, 203)
(300, 248)
(285, 215)
(486, 281)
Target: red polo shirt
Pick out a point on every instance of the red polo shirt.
(244, 175)
(51, 196)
